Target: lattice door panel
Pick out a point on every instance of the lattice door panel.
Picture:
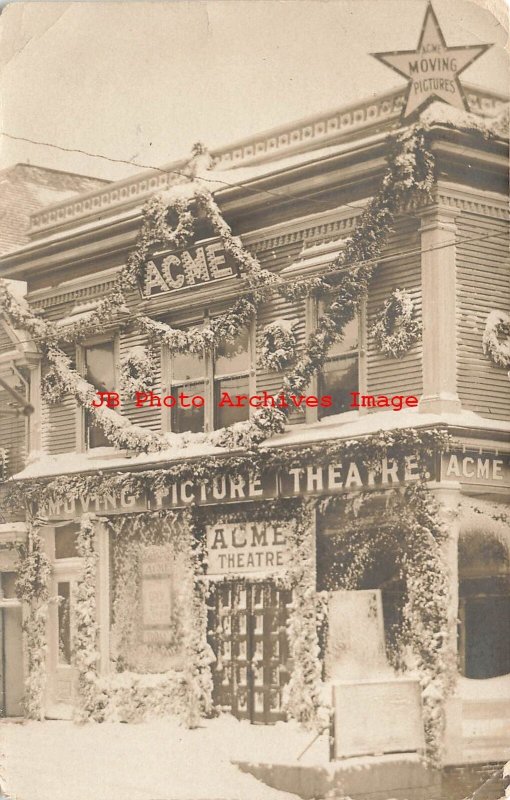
(249, 639)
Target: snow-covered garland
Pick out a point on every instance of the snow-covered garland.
(86, 630)
(369, 449)
(496, 338)
(395, 330)
(32, 588)
(302, 693)
(278, 346)
(127, 694)
(408, 178)
(410, 533)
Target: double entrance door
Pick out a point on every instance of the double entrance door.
(249, 638)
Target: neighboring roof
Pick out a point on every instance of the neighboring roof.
(25, 189)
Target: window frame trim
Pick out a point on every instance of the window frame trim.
(209, 379)
(81, 427)
(311, 322)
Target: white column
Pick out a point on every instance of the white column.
(103, 594)
(438, 266)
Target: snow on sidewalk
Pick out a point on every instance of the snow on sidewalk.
(156, 760)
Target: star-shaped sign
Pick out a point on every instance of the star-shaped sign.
(433, 68)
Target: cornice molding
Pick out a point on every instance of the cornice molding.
(305, 135)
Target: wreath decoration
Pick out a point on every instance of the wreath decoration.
(395, 330)
(496, 338)
(138, 370)
(278, 346)
(52, 388)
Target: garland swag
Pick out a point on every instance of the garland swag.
(85, 645)
(32, 588)
(170, 222)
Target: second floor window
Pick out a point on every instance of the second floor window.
(342, 369)
(340, 374)
(231, 376)
(214, 376)
(188, 376)
(99, 370)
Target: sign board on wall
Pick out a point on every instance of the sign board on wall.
(376, 717)
(484, 469)
(337, 477)
(166, 272)
(246, 547)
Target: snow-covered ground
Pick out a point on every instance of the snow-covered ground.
(156, 760)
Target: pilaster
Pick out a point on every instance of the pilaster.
(438, 267)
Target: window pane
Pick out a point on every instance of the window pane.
(94, 434)
(65, 541)
(100, 372)
(233, 357)
(349, 342)
(99, 364)
(8, 584)
(64, 622)
(186, 366)
(339, 379)
(188, 419)
(226, 415)
(487, 632)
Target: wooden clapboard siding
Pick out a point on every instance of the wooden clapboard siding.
(145, 416)
(59, 429)
(483, 285)
(387, 375)
(279, 308)
(12, 434)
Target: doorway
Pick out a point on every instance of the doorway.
(249, 640)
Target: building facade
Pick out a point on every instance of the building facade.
(422, 359)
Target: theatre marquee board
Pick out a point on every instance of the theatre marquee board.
(465, 467)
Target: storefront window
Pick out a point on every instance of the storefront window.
(64, 622)
(99, 364)
(340, 374)
(484, 606)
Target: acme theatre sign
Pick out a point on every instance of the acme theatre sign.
(168, 271)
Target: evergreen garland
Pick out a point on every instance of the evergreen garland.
(32, 589)
(85, 645)
(409, 178)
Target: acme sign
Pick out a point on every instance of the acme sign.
(166, 272)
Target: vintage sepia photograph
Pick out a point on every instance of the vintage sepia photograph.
(254, 400)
